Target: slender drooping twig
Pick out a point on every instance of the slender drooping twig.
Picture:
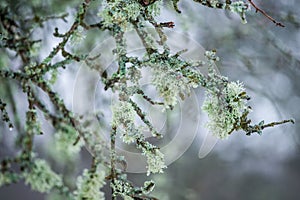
(266, 14)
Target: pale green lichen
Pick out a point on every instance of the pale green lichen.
(123, 12)
(77, 36)
(29, 69)
(54, 75)
(148, 187)
(123, 116)
(120, 12)
(41, 178)
(224, 109)
(241, 8)
(170, 83)
(123, 113)
(212, 57)
(134, 75)
(126, 190)
(89, 185)
(155, 161)
(122, 188)
(154, 8)
(35, 49)
(64, 140)
(6, 178)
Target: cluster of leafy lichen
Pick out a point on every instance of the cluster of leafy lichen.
(172, 77)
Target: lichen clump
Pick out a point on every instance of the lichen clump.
(123, 12)
(223, 116)
(41, 178)
(64, 140)
(122, 188)
(170, 84)
(89, 185)
(241, 8)
(155, 160)
(124, 115)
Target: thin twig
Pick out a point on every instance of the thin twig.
(278, 123)
(265, 14)
(113, 159)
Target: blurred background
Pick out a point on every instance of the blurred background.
(263, 56)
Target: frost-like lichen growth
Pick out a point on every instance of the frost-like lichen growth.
(122, 12)
(126, 190)
(212, 57)
(29, 69)
(35, 49)
(148, 187)
(123, 115)
(134, 75)
(155, 161)
(122, 188)
(77, 36)
(170, 83)
(33, 126)
(89, 185)
(64, 140)
(154, 8)
(241, 8)
(41, 178)
(224, 109)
